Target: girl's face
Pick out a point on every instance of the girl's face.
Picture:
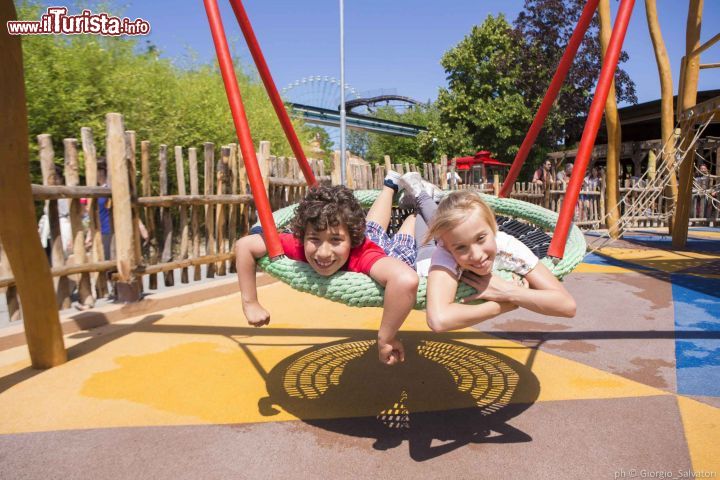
(327, 250)
(472, 244)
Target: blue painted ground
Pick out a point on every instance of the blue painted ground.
(697, 308)
(598, 259)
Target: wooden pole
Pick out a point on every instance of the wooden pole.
(184, 227)
(130, 149)
(11, 296)
(167, 223)
(57, 249)
(195, 220)
(18, 229)
(687, 98)
(222, 168)
(128, 288)
(666, 97)
(72, 179)
(97, 252)
(149, 212)
(209, 157)
(233, 209)
(612, 122)
(443, 172)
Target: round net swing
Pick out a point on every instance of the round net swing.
(525, 221)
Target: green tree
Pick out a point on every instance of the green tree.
(400, 149)
(483, 106)
(73, 81)
(542, 30)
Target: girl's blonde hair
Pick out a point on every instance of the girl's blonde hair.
(453, 211)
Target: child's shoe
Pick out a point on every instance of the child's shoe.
(391, 180)
(411, 183)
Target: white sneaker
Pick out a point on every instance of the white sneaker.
(411, 183)
(393, 177)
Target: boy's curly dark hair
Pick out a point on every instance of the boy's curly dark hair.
(324, 207)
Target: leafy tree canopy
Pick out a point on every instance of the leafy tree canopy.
(483, 106)
(542, 30)
(73, 81)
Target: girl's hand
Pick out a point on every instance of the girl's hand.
(490, 287)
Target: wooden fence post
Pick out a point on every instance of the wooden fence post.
(128, 287)
(149, 211)
(97, 250)
(222, 167)
(184, 234)
(443, 171)
(18, 228)
(263, 159)
(209, 156)
(167, 223)
(72, 179)
(233, 209)
(335, 175)
(11, 296)
(195, 219)
(57, 250)
(130, 149)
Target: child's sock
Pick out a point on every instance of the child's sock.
(391, 180)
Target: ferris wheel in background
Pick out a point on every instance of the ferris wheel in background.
(318, 91)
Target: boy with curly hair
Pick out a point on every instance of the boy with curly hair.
(331, 233)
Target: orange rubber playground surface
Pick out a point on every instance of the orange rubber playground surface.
(629, 388)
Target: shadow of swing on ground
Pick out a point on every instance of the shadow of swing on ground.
(446, 392)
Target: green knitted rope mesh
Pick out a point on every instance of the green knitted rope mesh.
(359, 290)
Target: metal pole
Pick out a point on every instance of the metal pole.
(262, 203)
(592, 124)
(343, 180)
(275, 99)
(552, 92)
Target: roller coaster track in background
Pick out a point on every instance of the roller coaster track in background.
(331, 118)
(316, 99)
(367, 102)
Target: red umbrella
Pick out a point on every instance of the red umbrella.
(480, 158)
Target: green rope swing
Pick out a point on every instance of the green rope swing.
(359, 290)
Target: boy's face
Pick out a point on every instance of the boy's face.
(472, 244)
(327, 250)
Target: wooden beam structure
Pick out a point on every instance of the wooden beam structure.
(18, 228)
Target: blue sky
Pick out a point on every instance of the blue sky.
(394, 44)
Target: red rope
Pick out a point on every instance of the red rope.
(592, 124)
(267, 79)
(272, 240)
(550, 95)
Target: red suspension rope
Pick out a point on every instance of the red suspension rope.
(550, 95)
(592, 124)
(272, 240)
(267, 79)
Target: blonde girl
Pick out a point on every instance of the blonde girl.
(469, 245)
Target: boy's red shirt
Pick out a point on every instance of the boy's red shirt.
(361, 259)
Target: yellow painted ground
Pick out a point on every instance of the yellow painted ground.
(664, 260)
(195, 366)
(594, 268)
(702, 430)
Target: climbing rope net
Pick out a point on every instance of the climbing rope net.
(651, 187)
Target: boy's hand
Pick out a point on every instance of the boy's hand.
(256, 315)
(391, 352)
